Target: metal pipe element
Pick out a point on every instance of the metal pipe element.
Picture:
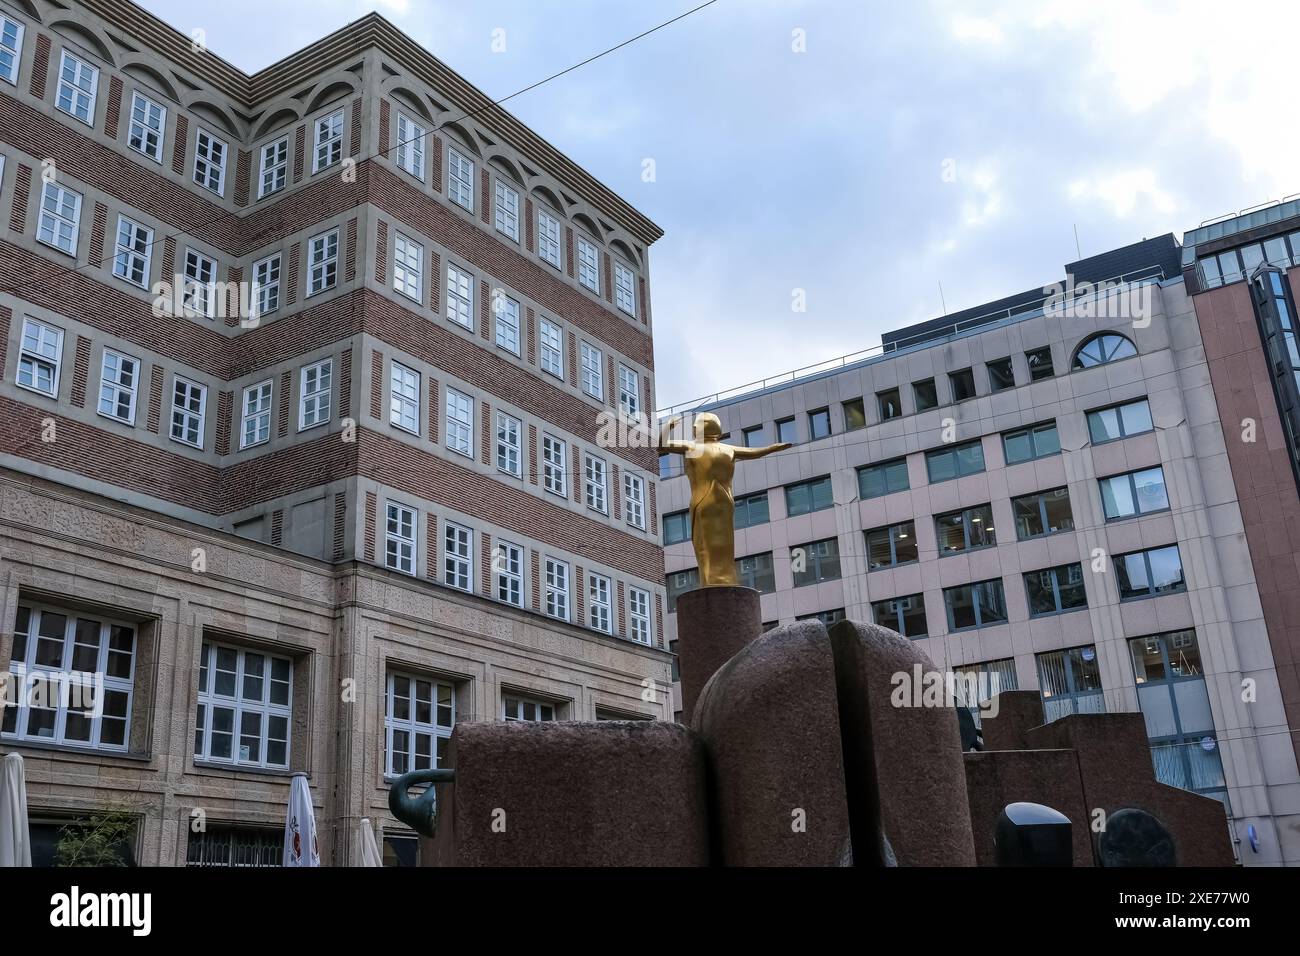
(419, 813)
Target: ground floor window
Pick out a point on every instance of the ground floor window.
(235, 846)
(73, 676)
(104, 838)
(515, 707)
(1176, 707)
(1071, 683)
(418, 719)
(401, 851)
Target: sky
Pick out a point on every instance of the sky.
(881, 162)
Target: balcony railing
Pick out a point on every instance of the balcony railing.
(1137, 277)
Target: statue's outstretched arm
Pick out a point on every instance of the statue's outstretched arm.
(765, 450)
(673, 446)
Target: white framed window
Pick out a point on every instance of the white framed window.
(315, 391)
(509, 429)
(634, 500)
(400, 549)
(274, 172)
(132, 252)
(328, 141)
(551, 348)
(244, 707)
(458, 557)
(598, 603)
(593, 375)
(624, 283)
(255, 417)
(506, 210)
(514, 707)
(460, 179)
(78, 83)
(410, 145)
(148, 126)
(119, 379)
(322, 262)
(189, 407)
(55, 651)
(629, 390)
(509, 565)
(594, 482)
(460, 297)
(557, 589)
(588, 265)
(404, 405)
(11, 49)
(507, 312)
(548, 238)
(553, 464)
(408, 268)
(209, 161)
(638, 604)
(419, 716)
(266, 284)
(40, 356)
(460, 422)
(60, 218)
(198, 295)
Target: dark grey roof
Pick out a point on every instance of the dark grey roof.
(1150, 257)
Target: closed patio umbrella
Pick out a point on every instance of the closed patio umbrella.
(367, 852)
(15, 841)
(300, 847)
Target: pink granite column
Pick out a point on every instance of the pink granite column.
(713, 623)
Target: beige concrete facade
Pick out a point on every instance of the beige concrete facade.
(1220, 601)
(344, 626)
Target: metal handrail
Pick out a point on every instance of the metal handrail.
(1249, 209)
(935, 336)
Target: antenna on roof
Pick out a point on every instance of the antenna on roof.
(1077, 250)
(941, 299)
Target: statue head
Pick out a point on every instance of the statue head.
(708, 427)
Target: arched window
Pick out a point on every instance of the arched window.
(1103, 349)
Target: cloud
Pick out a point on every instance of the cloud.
(824, 170)
(1124, 191)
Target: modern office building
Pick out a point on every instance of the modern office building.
(1048, 489)
(303, 376)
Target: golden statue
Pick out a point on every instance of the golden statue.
(709, 465)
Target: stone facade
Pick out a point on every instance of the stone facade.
(274, 533)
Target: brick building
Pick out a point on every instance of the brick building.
(303, 377)
(1057, 494)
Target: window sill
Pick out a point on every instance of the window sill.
(977, 627)
(36, 391)
(13, 743)
(1154, 594)
(113, 418)
(60, 251)
(1140, 514)
(242, 769)
(1068, 610)
(1044, 534)
(953, 554)
(896, 564)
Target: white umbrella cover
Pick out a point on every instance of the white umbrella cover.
(15, 841)
(300, 848)
(367, 851)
